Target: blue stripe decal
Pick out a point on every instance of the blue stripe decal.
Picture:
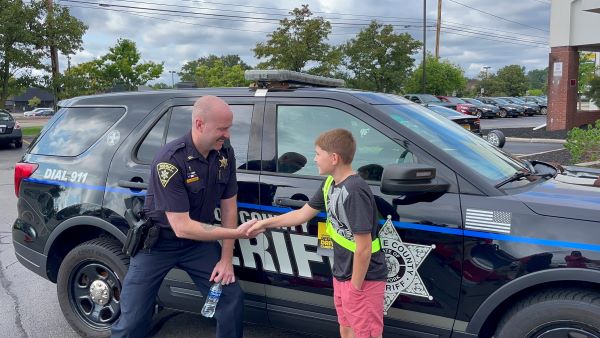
(401, 225)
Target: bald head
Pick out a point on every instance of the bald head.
(209, 107)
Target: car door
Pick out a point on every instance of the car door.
(424, 281)
(130, 171)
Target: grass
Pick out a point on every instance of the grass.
(31, 131)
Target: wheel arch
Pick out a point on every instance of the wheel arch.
(490, 311)
(73, 232)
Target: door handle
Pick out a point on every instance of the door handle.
(133, 185)
(288, 202)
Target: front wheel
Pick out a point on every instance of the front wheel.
(89, 286)
(554, 313)
(478, 114)
(496, 138)
(503, 113)
(544, 111)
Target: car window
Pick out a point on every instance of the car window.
(181, 123)
(473, 151)
(153, 141)
(65, 137)
(299, 126)
(5, 116)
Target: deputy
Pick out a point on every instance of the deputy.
(189, 176)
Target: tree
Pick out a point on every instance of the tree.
(587, 67)
(593, 90)
(17, 42)
(84, 79)
(538, 79)
(160, 85)
(34, 101)
(220, 75)
(443, 78)
(379, 59)
(512, 80)
(490, 84)
(123, 66)
(188, 71)
(298, 42)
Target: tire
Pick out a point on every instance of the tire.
(496, 138)
(553, 313)
(19, 144)
(478, 114)
(544, 111)
(97, 264)
(503, 113)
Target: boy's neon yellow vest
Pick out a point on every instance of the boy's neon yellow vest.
(339, 239)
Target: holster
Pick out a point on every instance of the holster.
(139, 227)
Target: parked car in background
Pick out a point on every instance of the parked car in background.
(530, 108)
(470, 123)
(428, 99)
(543, 103)
(10, 130)
(48, 112)
(505, 108)
(483, 110)
(461, 106)
(36, 112)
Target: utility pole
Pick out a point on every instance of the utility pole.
(172, 79)
(424, 42)
(53, 51)
(486, 70)
(437, 30)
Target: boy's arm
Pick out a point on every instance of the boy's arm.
(289, 219)
(362, 258)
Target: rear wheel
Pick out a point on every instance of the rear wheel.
(478, 114)
(502, 113)
(89, 286)
(560, 313)
(19, 144)
(496, 137)
(544, 110)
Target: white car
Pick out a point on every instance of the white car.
(36, 111)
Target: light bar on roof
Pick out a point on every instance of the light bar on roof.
(292, 77)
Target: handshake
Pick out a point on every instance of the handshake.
(251, 228)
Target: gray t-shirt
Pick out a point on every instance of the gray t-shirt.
(351, 210)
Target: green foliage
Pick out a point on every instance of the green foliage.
(188, 71)
(160, 85)
(26, 32)
(593, 91)
(379, 59)
(512, 80)
(535, 92)
(122, 66)
(538, 80)
(220, 75)
(34, 101)
(443, 78)
(31, 131)
(297, 42)
(587, 67)
(584, 143)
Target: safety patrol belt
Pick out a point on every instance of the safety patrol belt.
(339, 239)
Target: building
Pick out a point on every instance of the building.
(20, 103)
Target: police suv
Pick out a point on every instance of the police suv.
(478, 243)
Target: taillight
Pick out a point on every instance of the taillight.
(22, 171)
(17, 125)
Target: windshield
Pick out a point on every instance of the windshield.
(455, 100)
(445, 112)
(5, 116)
(501, 101)
(430, 98)
(515, 100)
(473, 151)
(473, 101)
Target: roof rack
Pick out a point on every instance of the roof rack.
(287, 79)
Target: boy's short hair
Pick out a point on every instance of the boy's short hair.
(339, 141)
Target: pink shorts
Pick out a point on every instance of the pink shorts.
(361, 310)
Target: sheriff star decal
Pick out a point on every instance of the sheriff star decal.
(166, 171)
(403, 261)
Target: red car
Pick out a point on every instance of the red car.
(461, 105)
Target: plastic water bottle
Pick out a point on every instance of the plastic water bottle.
(208, 310)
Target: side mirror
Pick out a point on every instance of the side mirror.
(411, 179)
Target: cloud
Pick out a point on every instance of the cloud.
(191, 30)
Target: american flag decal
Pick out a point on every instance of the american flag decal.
(485, 220)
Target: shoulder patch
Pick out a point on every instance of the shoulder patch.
(166, 171)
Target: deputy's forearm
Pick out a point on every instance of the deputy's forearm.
(204, 232)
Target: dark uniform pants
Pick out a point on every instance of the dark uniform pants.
(147, 271)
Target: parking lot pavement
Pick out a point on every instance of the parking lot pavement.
(28, 302)
(518, 122)
(521, 149)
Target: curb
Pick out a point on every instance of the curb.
(536, 140)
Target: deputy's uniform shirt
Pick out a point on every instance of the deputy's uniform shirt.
(182, 180)
(351, 210)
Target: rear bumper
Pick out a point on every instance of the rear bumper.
(31, 259)
(16, 135)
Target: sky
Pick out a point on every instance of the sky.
(475, 33)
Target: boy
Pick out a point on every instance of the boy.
(359, 267)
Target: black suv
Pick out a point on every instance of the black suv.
(10, 130)
(478, 243)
